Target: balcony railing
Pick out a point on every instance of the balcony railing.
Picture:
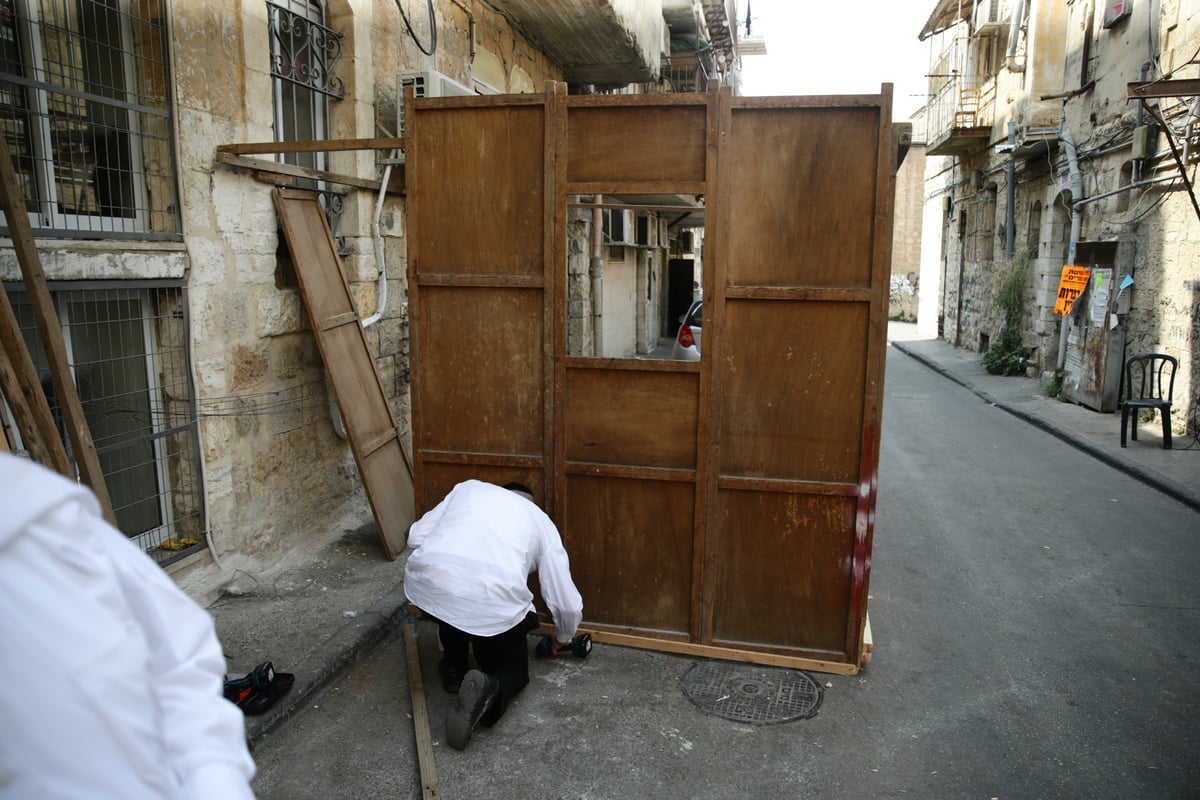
(959, 117)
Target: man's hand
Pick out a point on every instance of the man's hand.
(580, 646)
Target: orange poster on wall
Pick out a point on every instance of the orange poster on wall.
(1072, 283)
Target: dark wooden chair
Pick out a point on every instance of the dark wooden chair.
(1149, 383)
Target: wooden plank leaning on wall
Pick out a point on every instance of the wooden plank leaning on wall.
(13, 205)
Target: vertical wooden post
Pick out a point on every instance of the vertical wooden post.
(13, 205)
(20, 386)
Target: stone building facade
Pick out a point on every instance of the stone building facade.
(906, 237)
(1038, 159)
(225, 443)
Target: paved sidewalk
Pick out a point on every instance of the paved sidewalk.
(1174, 472)
(318, 617)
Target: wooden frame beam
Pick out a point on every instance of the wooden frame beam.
(695, 650)
(235, 155)
(1183, 87)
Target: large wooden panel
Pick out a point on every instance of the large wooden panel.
(636, 143)
(791, 401)
(438, 478)
(485, 396)
(783, 572)
(630, 543)
(634, 418)
(725, 506)
(806, 178)
(489, 218)
(366, 412)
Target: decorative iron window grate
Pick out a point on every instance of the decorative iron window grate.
(304, 54)
(85, 111)
(128, 352)
(303, 50)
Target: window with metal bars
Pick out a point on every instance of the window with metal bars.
(304, 57)
(128, 353)
(85, 112)
(304, 54)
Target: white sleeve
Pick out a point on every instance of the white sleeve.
(203, 733)
(554, 578)
(118, 688)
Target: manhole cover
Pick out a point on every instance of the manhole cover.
(758, 695)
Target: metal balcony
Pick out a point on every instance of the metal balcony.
(959, 116)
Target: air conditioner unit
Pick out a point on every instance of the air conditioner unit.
(425, 83)
(987, 18)
(619, 227)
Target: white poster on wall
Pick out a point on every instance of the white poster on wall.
(1101, 292)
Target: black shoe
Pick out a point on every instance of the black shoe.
(452, 677)
(474, 697)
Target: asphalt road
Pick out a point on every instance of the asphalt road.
(1036, 635)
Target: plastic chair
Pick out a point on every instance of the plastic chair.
(1149, 383)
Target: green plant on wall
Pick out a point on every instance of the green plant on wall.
(1006, 356)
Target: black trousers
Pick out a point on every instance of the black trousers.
(504, 657)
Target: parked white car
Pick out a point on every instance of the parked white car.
(687, 340)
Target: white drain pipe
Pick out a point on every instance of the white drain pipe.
(335, 415)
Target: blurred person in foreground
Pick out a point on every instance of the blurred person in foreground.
(469, 570)
(111, 677)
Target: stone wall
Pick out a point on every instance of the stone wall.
(278, 469)
(906, 235)
(1136, 209)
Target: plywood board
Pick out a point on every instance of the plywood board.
(366, 412)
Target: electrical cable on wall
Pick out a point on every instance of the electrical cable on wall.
(432, 28)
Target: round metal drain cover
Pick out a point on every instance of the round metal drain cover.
(746, 693)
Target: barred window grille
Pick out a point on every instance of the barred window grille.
(303, 55)
(304, 58)
(85, 111)
(128, 355)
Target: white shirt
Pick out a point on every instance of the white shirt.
(110, 675)
(473, 554)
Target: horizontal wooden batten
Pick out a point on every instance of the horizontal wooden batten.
(638, 187)
(636, 207)
(631, 364)
(338, 319)
(275, 172)
(832, 101)
(480, 101)
(632, 472)
(824, 488)
(643, 101)
(836, 295)
(312, 146)
(482, 459)
(681, 647)
(481, 281)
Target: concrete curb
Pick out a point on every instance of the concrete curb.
(1149, 477)
(345, 648)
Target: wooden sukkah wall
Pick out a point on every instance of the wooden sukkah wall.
(721, 508)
